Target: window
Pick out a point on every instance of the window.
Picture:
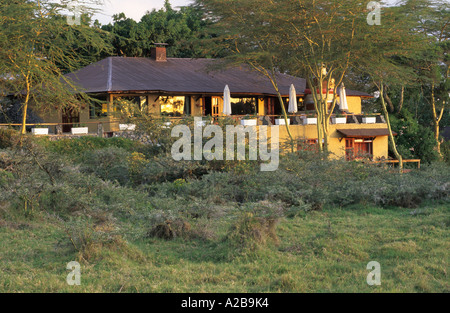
(243, 106)
(172, 106)
(131, 105)
(215, 106)
(307, 145)
(358, 148)
(98, 107)
(273, 106)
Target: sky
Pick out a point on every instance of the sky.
(134, 9)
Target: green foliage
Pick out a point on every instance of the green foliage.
(180, 29)
(107, 163)
(414, 141)
(216, 222)
(8, 138)
(446, 151)
(249, 232)
(78, 146)
(5, 178)
(38, 47)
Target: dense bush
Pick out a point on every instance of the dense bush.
(250, 231)
(8, 138)
(102, 198)
(311, 184)
(164, 168)
(445, 150)
(107, 163)
(117, 183)
(414, 141)
(78, 146)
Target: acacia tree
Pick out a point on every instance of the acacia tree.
(37, 49)
(288, 36)
(390, 49)
(431, 18)
(319, 40)
(249, 32)
(324, 41)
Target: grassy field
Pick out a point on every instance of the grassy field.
(320, 251)
(138, 221)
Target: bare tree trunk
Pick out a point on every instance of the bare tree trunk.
(273, 81)
(391, 135)
(318, 97)
(283, 109)
(388, 100)
(402, 98)
(25, 108)
(436, 120)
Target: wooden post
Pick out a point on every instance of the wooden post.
(100, 130)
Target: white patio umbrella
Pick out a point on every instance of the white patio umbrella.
(343, 99)
(292, 100)
(226, 101)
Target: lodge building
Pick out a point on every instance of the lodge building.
(175, 87)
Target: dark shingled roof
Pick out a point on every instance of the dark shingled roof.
(369, 132)
(177, 75)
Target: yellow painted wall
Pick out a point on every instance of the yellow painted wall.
(336, 140)
(354, 105)
(261, 110)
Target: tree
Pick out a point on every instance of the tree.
(38, 47)
(318, 40)
(249, 32)
(432, 19)
(178, 28)
(325, 41)
(410, 61)
(391, 47)
(414, 141)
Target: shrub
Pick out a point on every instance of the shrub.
(76, 147)
(8, 138)
(181, 228)
(164, 168)
(445, 150)
(250, 232)
(136, 164)
(107, 163)
(171, 229)
(5, 178)
(89, 237)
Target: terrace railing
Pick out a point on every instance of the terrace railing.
(295, 119)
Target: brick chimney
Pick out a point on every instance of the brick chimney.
(158, 53)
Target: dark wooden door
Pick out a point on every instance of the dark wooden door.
(207, 106)
(69, 117)
(269, 106)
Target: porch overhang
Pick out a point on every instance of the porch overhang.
(365, 133)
